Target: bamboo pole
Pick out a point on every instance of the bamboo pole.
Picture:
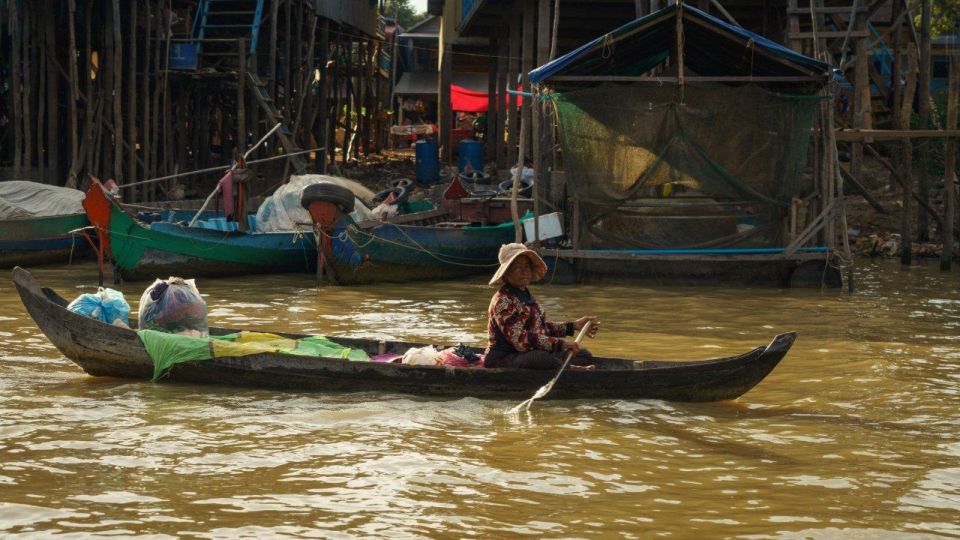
(950, 165)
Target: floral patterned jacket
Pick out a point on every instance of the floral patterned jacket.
(516, 323)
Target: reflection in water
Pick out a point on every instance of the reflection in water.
(853, 435)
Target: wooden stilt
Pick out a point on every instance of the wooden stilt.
(131, 176)
(906, 107)
(88, 84)
(53, 92)
(117, 92)
(513, 68)
(950, 165)
(145, 127)
(74, 90)
(348, 90)
(26, 100)
(499, 133)
(323, 101)
(16, 62)
(241, 104)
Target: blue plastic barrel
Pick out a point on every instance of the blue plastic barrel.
(428, 161)
(470, 152)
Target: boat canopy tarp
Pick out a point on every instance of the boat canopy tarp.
(712, 47)
(20, 199)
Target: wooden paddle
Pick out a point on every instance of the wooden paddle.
(545, 389)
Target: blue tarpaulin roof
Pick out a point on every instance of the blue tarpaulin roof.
(711, 47)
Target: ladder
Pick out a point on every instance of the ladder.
(228, 19)
(262, 95)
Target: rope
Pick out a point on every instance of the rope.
(416, 246)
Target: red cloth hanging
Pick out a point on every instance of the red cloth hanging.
(462, 99)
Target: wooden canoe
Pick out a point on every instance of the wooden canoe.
(109, 351)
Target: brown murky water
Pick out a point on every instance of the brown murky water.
(854, 435)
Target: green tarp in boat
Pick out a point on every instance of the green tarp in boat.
(167, 350)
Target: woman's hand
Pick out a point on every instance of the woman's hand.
(570, 344)
(582, 321)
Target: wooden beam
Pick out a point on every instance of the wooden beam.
(690, 79)
(852, 181)
(626, 255)
(893, 134)
(899, 178)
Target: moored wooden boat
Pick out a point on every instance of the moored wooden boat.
(40, 240)
(161, 249)
(110, 351)
(410, 247)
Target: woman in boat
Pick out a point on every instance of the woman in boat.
(519, 335)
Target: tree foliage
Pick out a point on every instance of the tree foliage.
(405, 14)
(945, 17)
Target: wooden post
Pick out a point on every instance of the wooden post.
(348, 112)
(361, 91)
(324, 104)
(539, 122)
(88, 107)
(923, 223)
(906, 107)
(26, 100)
(272, 62)
(308, 74)
(950, 164)
(132, 104)
(861, 97)
(148, 68)
(241, 104)
(335, 117)
(513, 62)
(74, 90)
(499, 131)
(15, 84)
(53, 91)
(489, 140)
(444, 107)
(117, 92)
(641, 8)
(288, 61)
(40, 75)
(527, 64)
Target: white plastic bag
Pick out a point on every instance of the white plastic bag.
(423, 356)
